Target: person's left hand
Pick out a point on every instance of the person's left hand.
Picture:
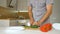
(35, 23)
(38, 24)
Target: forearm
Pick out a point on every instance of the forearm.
(30, 15)
(30, 12)
(47, 14)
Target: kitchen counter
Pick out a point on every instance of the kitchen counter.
(5, 30)
(4, 22)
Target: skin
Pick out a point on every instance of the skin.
(48, 13)
(30, 15)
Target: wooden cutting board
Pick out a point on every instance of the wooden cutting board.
(29, 28)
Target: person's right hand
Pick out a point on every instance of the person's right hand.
(31, 21)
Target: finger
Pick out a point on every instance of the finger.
(37, 24)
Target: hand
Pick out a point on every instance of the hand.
(34, 23)
(38, 24)
(31, 21)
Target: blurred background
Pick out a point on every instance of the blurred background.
(12, 12)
